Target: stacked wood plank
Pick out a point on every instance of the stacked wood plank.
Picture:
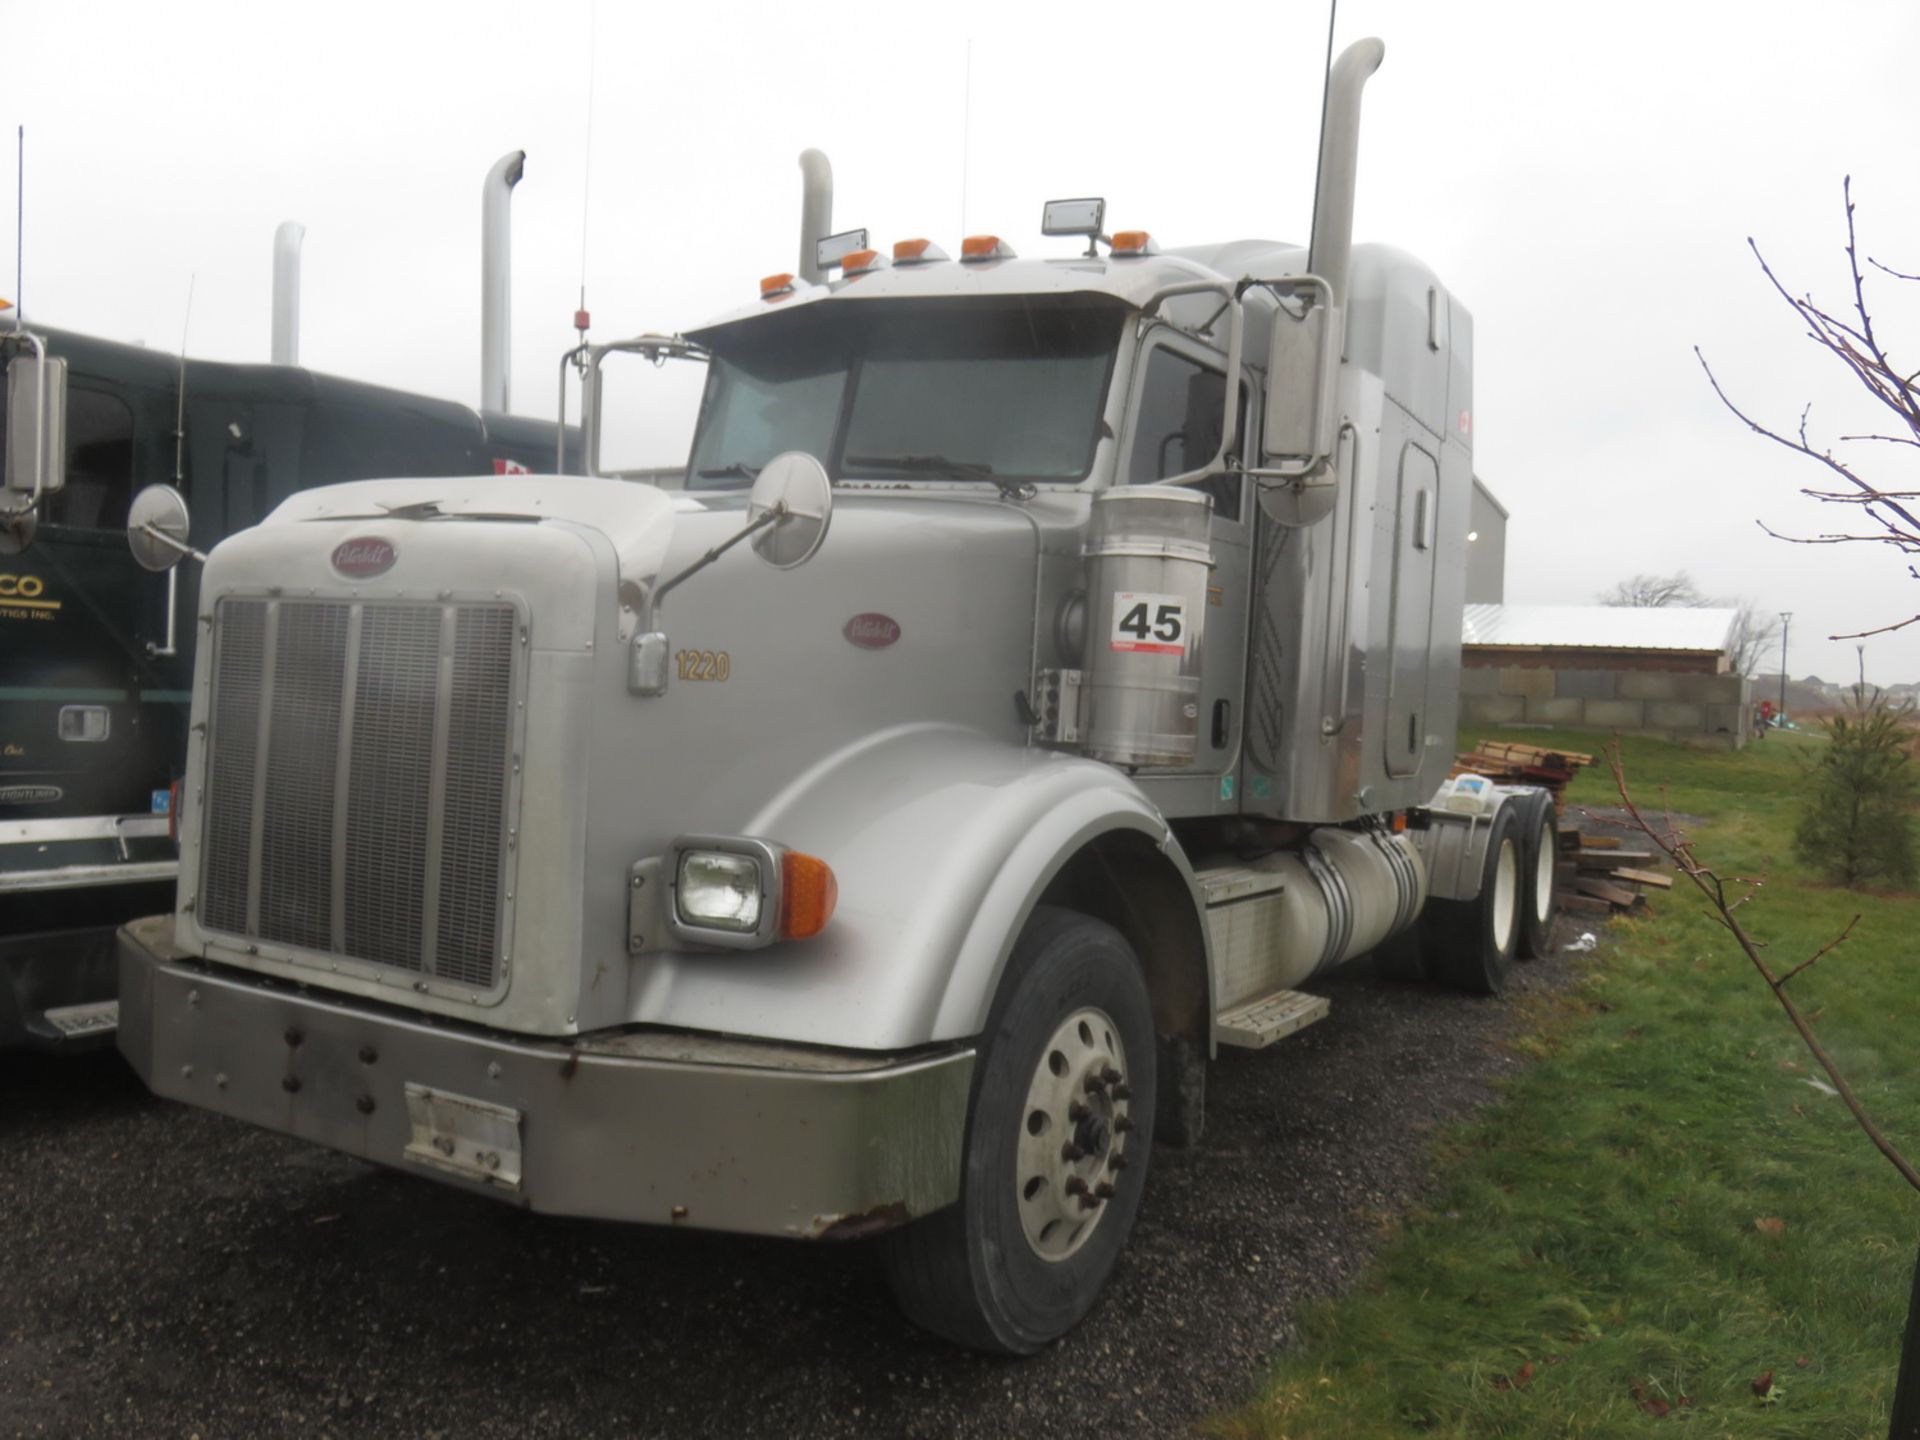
(1507, 762)
(1600, 875)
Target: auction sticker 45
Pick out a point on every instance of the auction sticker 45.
(1149, 624)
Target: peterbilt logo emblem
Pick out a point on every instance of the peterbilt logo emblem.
(364, 555)
(871, 631)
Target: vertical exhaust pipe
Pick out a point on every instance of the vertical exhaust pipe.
(816, 212)
(286, 292)
(1332, 244)
(496, 276)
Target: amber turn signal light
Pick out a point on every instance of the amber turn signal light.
(808, 893)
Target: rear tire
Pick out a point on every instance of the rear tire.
(1470, 943)
(1022, 1255)
(1540, 861)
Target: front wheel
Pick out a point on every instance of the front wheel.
(1058, 1137)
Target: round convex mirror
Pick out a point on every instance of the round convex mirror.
(157, 527)
(797, 484)
(17, 529)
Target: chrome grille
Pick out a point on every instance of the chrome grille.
(357, 781)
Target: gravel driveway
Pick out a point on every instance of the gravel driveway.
(168, 1273)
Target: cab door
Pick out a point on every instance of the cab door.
(71, 738)
(1178, 405)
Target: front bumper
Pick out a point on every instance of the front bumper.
(692, 1130)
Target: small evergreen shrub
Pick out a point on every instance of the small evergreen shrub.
(1857, 828)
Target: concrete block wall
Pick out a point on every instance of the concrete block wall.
(1704, 709)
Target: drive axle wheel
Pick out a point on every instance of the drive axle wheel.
(1058, 1135)
(1542, 859)
(1470, 943)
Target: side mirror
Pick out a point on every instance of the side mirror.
(157, 528)
(794, 494)
(1302, 368)
(36, 425)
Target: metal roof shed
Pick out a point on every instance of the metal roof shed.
(1598, 637)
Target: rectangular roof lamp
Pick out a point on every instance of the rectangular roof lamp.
(1073, 217)
(830, 250)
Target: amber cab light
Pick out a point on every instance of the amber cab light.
(916, 252)
(985, 247)
(775, 285)
(1133, 242)
(858, 262)
(808, 893)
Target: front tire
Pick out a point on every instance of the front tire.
(1059, 1132)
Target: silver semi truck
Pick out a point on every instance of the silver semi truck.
(1083, 684)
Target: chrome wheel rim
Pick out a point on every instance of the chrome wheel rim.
(1073, 1134)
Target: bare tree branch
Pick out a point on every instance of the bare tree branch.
(1680, 850)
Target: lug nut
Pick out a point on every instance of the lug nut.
(1076, 1186)
(1071, 1151)
(1116, 1162)
(1087, 1202)
(1077, 1111)
(1103, 1190)
(1122, 1124)
(1123, 1092)
(1110, 1075)
(1095, 1084)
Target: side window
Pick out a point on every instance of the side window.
(99, 462)
(1178, 428)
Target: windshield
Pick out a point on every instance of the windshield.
(939, 390)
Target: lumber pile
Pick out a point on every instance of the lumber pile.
(1507, 762)
(1601, 875)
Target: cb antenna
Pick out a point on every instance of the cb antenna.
(581, 319)
(180, 417)
(20, 230)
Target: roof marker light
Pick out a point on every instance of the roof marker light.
(861, 262)
(1128, 243)
(774, 286)
(917, 252)
(976, 248)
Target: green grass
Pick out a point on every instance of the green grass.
(1598, 1223)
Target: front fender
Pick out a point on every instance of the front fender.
(942, 839)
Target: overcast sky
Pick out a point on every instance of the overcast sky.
(1583, 177)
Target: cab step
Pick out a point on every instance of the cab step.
(94, 1021)
(1258, 1022)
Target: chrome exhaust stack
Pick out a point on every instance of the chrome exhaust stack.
(816, 212)
(496, 277)
(1332, 244)
(286, 292)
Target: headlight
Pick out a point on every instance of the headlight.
(738, 893)
(720, 890)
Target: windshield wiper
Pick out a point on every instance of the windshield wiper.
(733, 471)
(923, 465)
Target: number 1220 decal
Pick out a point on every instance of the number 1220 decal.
(1150, 624)
(704, 664)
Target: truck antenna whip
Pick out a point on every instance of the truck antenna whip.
(20, 230)
(581, 319)
(966, 136)
(180, 417)
(1326, 85)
